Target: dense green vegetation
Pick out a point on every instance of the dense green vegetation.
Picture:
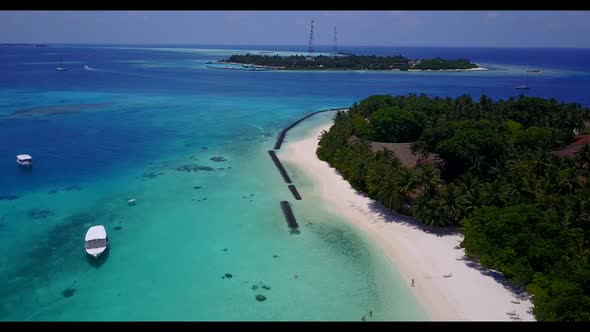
(351, 61)
(523, 211)
(440, 63)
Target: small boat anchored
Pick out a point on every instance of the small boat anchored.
(97, 241)
(24, 160)
(524, 86)
(60, 68)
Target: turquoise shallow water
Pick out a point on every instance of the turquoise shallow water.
(167, 259)
(131, 130)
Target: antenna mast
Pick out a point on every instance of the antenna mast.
(311, 38)
(335, 50)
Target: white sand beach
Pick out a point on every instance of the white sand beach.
(449, 287)
(450, 70)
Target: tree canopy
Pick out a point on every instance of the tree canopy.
(523, 211)
(349, 61)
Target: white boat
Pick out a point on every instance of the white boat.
(60, 68)
(97, 241)
(524, 86)
(24, 160)
(86, 67)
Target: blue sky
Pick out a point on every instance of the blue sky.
(387, 28)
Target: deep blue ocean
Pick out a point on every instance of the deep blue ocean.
(128, 124)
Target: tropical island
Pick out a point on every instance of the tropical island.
(510, 175)
(348, 62)
(22, 45)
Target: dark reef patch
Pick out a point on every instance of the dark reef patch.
(40, 213)
(194, 168)
(57, 110)
(73, 187)
(68, 292)
(151, 175)
(8, 197)
(228, 275)
(344, 242)
(260, 298)
(217, 159)
(51, 192)
(81, 218)
(118, 228)
(59, 248)
(197, 187)
(220, 168)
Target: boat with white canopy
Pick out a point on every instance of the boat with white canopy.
(97, 241)
(24, 160)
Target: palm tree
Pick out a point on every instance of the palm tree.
(378, 171)
(548, 201)
(496, 193)
(431, 212)
(541, 164)
(500, 169)
(360, 157)
(391, 160)
(568, 181)
(407, 182)
(470, 198)
(428, 179)
(388, 192)
(478, 165)
(468, 181)
(339, 116)
(451, 196)
(582, 157)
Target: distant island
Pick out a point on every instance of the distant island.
(348, 62)
(23, 45)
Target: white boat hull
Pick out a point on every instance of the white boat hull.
(96, 252)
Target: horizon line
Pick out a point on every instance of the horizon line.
(296, 45)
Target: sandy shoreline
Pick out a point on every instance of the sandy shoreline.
(344, 70)
(416, 252)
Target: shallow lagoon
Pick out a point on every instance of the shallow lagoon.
(190, 144)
